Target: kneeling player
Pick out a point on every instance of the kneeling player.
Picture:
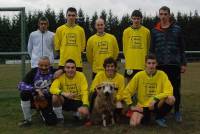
(34, 90)
(154, 94)
(70, 92)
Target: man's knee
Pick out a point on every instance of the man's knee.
(26, 95)
(170, 100)
(57, 100)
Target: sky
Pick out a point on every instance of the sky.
(118, 7)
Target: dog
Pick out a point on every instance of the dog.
(104, 103)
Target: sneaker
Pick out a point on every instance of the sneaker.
(161, 122)
(178, 117)
(24, 123)
(60, 122)
(77, 116)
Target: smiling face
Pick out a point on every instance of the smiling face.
(70, 69)
(44, 65)
(110, 70)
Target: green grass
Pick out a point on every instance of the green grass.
(10, 111)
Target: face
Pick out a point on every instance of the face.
(70, 70)
(71, 17)
(43, 25)
(110, 70)
(136, 21)
(100, 26)
(44, 65)
(151, 66)
(164, 15)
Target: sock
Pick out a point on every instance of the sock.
(26, 108)
(58, 112)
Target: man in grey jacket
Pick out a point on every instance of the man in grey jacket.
(41, 43)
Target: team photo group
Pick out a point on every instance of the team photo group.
(148, 91)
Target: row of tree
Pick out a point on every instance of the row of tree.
(10, 26)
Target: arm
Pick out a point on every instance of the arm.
(30, 45)
(55, 87)
(89, 51)
(182, 52)
(57, 40)
(121, 83)
(167, 88)
(148, 40)
(27, 83)
(84, 91)
(152, 44)
(116, 49)
(83, 40)
(124, 41)
(130, 90)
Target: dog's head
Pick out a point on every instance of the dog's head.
(106, 89)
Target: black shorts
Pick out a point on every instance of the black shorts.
(130, 75)
(71, 105)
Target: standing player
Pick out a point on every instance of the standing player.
(168, 45)
(136, 41)
(70, 40)
(101, 46)
(40, 43)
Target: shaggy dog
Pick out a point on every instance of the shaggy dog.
(104, 104)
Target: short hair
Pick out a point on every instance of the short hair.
(110, 60)
(165, 8)
(43, 18)
(136, 13)
(150, 56)
(44, 58)
(70, 61)
(71, 9)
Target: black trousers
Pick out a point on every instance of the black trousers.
(174, 74)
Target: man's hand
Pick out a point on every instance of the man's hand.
(183, 69)
(58, 73)
(83, 110)
(40, 93)
(151, 105)
(68, 95)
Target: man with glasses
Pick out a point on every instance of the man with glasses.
(136, 41)
(40, 43)
(70, 40)
(101, 46)
(168, 46)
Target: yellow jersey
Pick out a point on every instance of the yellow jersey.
(148, 88)
(77, 85)
(99, 48)
(70, 41)
(118, 81)
(136, 43)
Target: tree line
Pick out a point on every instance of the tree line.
(10, 27)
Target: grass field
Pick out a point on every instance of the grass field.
(10, 111)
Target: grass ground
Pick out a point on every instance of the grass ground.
(10, 111)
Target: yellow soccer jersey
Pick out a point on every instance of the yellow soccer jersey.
(148, 88)
(135, 47)
(77, 85)
(71, 42)
(99, 48)
(118, 81)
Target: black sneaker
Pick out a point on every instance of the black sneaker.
(24, 123)
(60, 122)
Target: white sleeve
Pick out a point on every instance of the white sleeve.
(30, 45)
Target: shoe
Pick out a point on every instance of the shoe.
(161, 122)
(178, 117)
(24, 123)
(77, 116)
(60, 122)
